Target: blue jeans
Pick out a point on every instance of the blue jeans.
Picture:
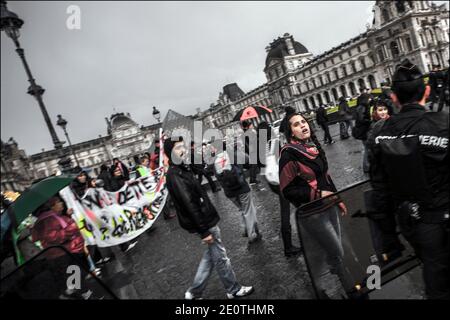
(215, 256)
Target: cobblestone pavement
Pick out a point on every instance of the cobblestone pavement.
(164, 262)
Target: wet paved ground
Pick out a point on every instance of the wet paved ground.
(164, 262)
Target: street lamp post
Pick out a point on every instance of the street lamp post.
(63, 124)
(156, 114)
(11, 23)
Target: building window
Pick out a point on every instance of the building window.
(408, 44)
(380, 54)
(362, 61)
(353, 65)
(332, 60)
(328, 77)
(394, 49)
(336, 74)
(359, 49)
(344, 71)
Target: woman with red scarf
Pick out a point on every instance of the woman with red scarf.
(303, 170)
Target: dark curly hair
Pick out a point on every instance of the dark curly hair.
(288, 133)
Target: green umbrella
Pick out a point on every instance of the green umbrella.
(37, 195)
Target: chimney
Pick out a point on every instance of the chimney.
(268, 49)
(289, 43)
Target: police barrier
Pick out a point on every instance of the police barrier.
(343, 255)
(54, 273)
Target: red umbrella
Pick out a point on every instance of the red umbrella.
(251, 112)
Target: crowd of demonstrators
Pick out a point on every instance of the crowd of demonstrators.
(322, 121)
(197, 214)
(303, 170)
(409, 173)
(231, 177)
(363, 121)
(200, 165)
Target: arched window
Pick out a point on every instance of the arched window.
(372, 81)
(431, 36)
(313, 102)
(352, 89)
(327, 96)
(305, 103)
(335, 94)
(394, 49)
(343, 91)
(319, 99)
(361, 84)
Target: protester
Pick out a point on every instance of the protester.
(143, 169)
(410, 178)
(196, 214)
(117, 180)
(53, 227)
(304, 178)
(285, 207)
(202, 168)
(236, 189)
(122, 167)
(362, 126)
(104, 175)
(322, 121)
(154, 156)
(345, 116)
(250, 149)
(81, 183)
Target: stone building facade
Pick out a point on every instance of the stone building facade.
(16, 170)
(417, 30)
(124, 139)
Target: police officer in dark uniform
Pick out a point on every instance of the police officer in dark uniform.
(408, 156)
(437, 84)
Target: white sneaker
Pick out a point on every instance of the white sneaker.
(189, 296)
(245, 291)
(131, 246)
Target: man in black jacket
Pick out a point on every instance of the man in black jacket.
(322, 121)
(409, 173)
(196, 214)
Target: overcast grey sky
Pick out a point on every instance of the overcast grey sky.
(133, 55)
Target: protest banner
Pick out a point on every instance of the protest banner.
(111, 218)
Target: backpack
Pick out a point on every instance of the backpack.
(227, 173)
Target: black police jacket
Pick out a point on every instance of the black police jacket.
(433, 132)
(195, 211)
